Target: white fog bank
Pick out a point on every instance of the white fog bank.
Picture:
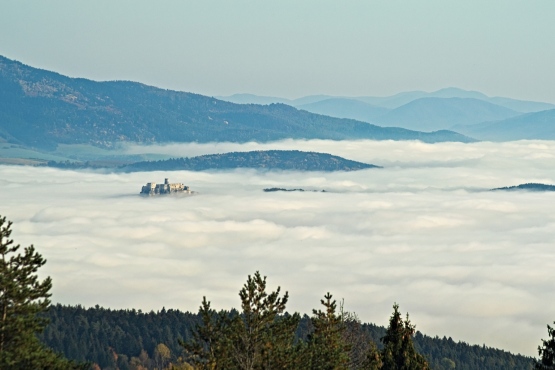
(423, 232)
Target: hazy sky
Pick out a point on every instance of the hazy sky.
(292, 48)
(423, 232)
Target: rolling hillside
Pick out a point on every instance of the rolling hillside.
(42, 109)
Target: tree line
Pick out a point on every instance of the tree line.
(261, 335)
(98, 335)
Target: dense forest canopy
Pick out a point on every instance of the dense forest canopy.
(95, 334)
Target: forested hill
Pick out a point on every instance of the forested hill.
(269, 159)
(41, 109)
(123, 337)
(528, 187)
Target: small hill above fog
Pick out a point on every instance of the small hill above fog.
(270, 159)
(528, 187)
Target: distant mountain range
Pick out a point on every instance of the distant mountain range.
(492, 118)
(41, 109)
(293, 160)
(397, 100)
(422, 114)
(531, 126)
(430, 114)
(346, 108)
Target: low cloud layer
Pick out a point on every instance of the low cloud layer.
(423, 232)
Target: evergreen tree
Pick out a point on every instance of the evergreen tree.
(328, 349)
(363, 352)
(23, 297)
(209, 347)
(547, 352)
(262, 336)
(398, 352)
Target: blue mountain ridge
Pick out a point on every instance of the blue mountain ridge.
(43, 109)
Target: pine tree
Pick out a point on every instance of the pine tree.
(547, 352)
(261, 336)
(398, 352)
(328, 349)
(23, 297)
(363, 352)
(209, 347)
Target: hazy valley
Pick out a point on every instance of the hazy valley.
(421, 230)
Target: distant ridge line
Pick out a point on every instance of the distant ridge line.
(41, 109)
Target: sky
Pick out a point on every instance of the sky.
(424, 231)
(292, 48)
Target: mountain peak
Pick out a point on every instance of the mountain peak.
(455, 92)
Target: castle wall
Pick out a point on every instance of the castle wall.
(165, 188)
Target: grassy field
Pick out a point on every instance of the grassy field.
(20, 155)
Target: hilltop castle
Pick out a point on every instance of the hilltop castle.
(152, 188)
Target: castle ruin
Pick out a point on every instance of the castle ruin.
(152, 188)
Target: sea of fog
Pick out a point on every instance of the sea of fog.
(424, 232)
